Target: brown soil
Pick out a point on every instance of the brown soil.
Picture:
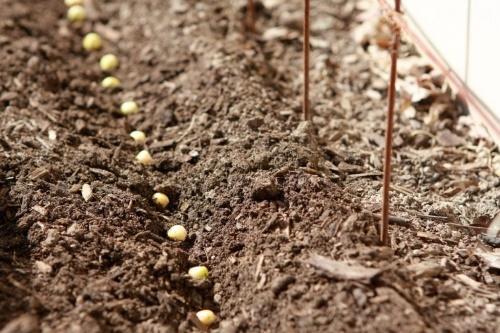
(259, 192)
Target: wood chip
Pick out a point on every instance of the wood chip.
(342, 270)
(86, 192)
(468, 281)
(350, 168)
(428, 236)
(43, 267)
(40, 210)
(426, 269)
(52, 135)
(278, 33)
(38, 173)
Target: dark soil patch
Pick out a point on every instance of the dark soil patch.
(258, 190)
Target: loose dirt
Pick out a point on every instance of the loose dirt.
(273, 206)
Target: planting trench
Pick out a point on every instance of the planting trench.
(259, 192)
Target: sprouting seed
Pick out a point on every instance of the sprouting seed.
(161, 199)
(76, 14)
(138, 136)
(110, 82)
(206, 317)
(198, 273)
(129, 107)
(92, 42)
(70, 3)
(109, 62)
(144, 157)
(177, 233)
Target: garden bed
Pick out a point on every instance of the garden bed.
(265, 197)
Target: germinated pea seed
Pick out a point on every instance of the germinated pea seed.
(206, 317)
(70, 3)
(138, 136)
(76, 14)
(144, 157)
(110, 82)
(92, 42)
(177, 232)
(109, 62)
(129, 107)
(161, 199)
(198, 273)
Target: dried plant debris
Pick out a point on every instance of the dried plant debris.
(342, 270)
(493, 231)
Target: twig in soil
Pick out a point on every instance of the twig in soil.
(188, 130)
(260, 261)
(384, 223)
(432, 217)
(305, 106)
(364, 174)
(148, 234)
(395, 220)
(467, 226)
(251, 16)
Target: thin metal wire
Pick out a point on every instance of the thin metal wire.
(306, 103)
(384, 223)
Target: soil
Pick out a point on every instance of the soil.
(261, 193)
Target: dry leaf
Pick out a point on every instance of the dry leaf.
(428, 236)
(492, 259)
(447, 138)
(435, 111)
(495, 163)
(493, 232)
(342, 270)
(86, 192)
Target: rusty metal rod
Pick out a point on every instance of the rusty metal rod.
(251, 15)
(384, 223)
(305, 106)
